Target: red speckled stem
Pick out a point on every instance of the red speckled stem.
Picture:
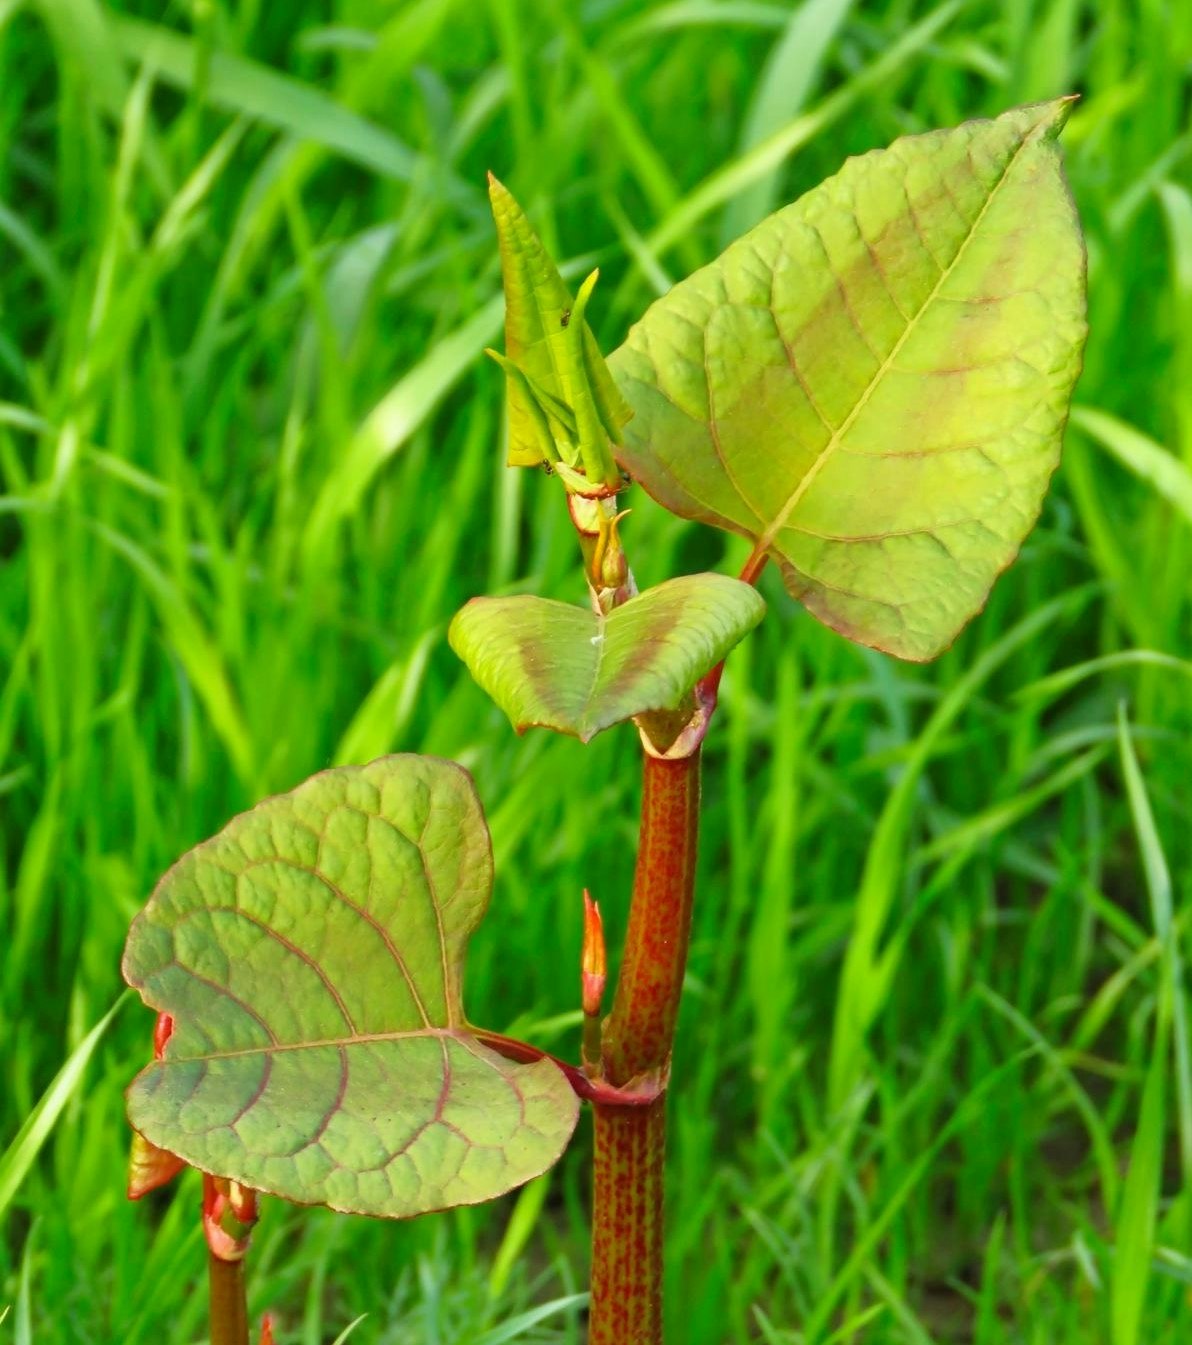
(627, 1232)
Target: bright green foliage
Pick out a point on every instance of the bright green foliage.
(563, 403)
(873, 383)
(1138, 1215)
(311, 955)
(569, 669)
(165, 665)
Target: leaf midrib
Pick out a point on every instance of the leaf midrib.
(766, 540)
(603, 622)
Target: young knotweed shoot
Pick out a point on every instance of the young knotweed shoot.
(871, 387)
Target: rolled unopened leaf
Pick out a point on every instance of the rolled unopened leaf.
(873, 383)
(565, 387)
(311, 956)
(149, 1167)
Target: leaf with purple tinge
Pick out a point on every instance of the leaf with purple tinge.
(311, 956)
(566, 668)
(873, 383)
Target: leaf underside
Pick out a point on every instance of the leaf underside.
(873, 383)
(552, 665)
(311, 956)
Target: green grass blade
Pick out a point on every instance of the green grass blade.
(1058, 683)
(741, 173)
(253, 90)
(21, 1153)
(391, 422)
(1140, 454)
(522, 1323)
(791, 73)
(1173, 1002)
(349, 1329)
(855, 1006)
(1137, 1217)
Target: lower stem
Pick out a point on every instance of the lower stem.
(627, 1228)
(229, 1301)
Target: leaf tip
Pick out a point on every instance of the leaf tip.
(1063, 109)
(1051, 116)
(584, 293)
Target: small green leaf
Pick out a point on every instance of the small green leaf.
(558, 355)
(873, 383)
(311, 957)
(566, 668)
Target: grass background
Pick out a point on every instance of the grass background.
(249, 468)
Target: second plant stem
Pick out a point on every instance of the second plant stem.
(228, 1301)
(627, 1229)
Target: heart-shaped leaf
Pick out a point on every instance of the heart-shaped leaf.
(873, 383)
(311, 955)
(566, 668)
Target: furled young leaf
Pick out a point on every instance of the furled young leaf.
(873, 383)
(311, 956)
(556, 355)
(149, 1167)
(566, 668)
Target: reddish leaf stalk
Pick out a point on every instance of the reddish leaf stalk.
(627, 1231)
(709, 686)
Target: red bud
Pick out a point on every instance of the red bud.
(163, 1030)
(594, 961)
(149, 1167)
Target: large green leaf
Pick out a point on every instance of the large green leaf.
(311, 956)
(567, 668)
(873, 383)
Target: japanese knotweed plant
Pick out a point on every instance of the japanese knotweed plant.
(871, 387)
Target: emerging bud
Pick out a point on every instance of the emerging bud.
(594, 961)
(610, 554)
(148, 1166)
(267, 1329)
(163, 1030)
(609, 576)
(229, 1213)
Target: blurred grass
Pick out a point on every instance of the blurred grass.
(931, 1084)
